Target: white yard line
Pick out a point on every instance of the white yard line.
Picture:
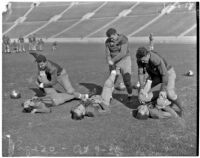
(43, 26)
(188, 30)
(109, 23)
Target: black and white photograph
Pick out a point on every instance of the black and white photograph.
(100, 78)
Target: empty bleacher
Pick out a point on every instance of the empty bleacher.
(72, 23)
(16, 13)
(79, 10)
(112, 9)
(55, 28)
(170, 25)
(23, 29)
(44, 13)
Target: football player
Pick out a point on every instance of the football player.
(21, 44)
(152, 105)
(49, 74)
(151, 47)
(151, 65)
(96, 104)
(118, 54)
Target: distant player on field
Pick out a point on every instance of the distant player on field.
(21, 44)
(152, 66)
(54, 46)
(49, 74)
(151, 42)
(118, 54)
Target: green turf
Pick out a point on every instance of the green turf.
(115, 134)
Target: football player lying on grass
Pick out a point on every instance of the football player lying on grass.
(38, 105)
(159, 108)
(96, 104)
(49, 74)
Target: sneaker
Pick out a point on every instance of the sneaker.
(84, 97)
(121, 87)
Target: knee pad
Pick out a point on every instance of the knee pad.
(127, 79)
(171, 94)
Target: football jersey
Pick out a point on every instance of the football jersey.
(114, 46)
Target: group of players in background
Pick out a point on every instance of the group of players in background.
(19, 46)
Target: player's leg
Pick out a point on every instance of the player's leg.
(126, 73)
(58, 98)
(23, 47)
(64, 81)
(108, 88)
(41, 108)
(119, 83)
(171, 94)
(159, 114)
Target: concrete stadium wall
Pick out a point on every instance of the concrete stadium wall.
(157, 39)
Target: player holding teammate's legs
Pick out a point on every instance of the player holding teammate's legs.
(160, 72)
(97, 104)
(49, 74)
(118, 54)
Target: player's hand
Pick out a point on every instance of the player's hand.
(110, 62)
(43, 79)
(118, 70)
(41, 85)
(163, 94)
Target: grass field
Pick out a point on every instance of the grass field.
(114, 134)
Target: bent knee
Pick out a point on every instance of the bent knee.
(171, 94)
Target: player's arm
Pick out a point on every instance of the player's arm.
(53, 79)
(122, 53)
(141, 75)
(108, 57)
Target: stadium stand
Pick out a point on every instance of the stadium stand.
(79, 10)
(126, 25)
(193, 32)
(92, 19)
(51, 4)
(112, 9)
(23, 29)
(170, 24)
(16, 13)
(44, 13)
(6, 26)
(85, 27)
(54, 28)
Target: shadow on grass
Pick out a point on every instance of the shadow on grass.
(39, 92)
(133, 104)
(92, 87)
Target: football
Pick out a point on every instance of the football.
(190, 73)
(15, 94)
